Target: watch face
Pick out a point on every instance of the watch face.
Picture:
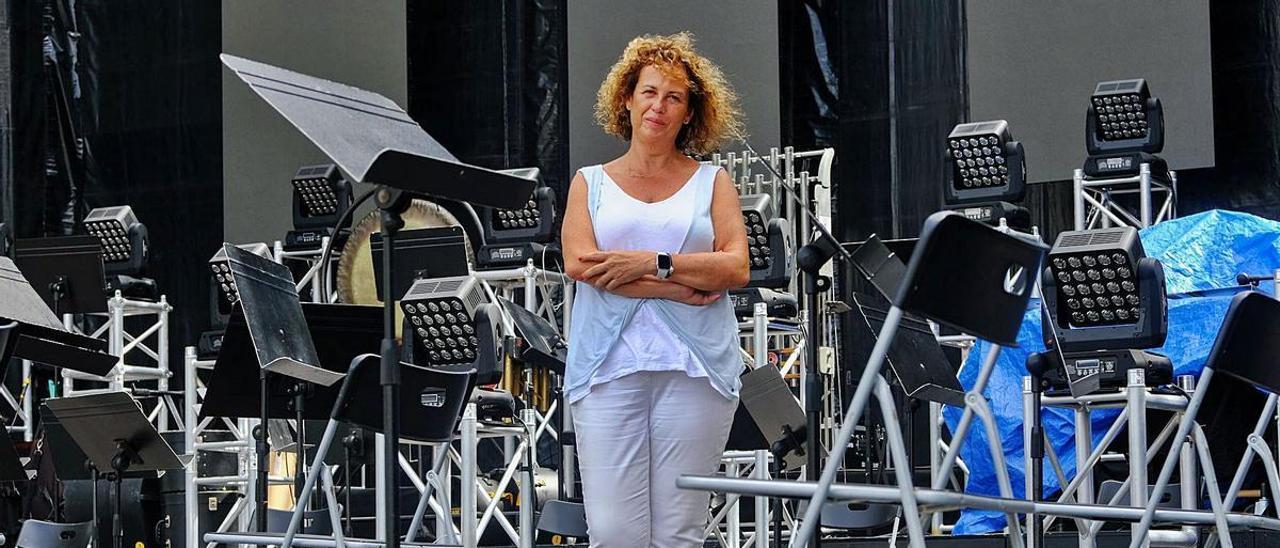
(664, 261)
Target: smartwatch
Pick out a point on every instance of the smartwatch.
(665, 269)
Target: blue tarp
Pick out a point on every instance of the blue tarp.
(1201, 255)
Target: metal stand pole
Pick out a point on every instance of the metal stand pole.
(1033, 441)
(260, 435)
(392, 203)
(813, 401)
(1137, 392)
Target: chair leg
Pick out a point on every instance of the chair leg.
(901, 464)
(1237, 481)
(335, 516)
(979, 404)
(813, 512)
(441, 454)
(966, 419)
(1260, 448)
(312, 475)
(1211, 485)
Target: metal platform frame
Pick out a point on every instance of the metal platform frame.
(121, 343)
(1133, 400)
(1094, 206)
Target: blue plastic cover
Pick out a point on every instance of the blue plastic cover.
(1201, 255)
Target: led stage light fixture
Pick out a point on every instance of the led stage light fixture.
(448, 324)
(124, 239)
(768, 243)
(221, 278)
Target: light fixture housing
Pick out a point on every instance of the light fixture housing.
(985, 164)
(320, 195)
(1103, 292)
(448, 324)
(221, 279)
(1124, 117)
(124, 239)
(513, 236)
(768, 243)
(531, 223)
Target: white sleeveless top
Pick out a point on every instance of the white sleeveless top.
(623, 223)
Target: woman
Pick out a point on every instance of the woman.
(654, 239)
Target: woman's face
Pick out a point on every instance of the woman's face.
(659, 107)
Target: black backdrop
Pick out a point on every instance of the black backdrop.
(145, 101)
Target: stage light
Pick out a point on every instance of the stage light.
(448, 324)
(124, 239)
(512, 236)
(986, 164)
(221, 275)
(1124, 117)
(768, 243)
(1104, 299)
(320, 196)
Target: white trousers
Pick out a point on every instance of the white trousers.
(636, 435)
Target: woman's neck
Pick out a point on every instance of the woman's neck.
(643, 160)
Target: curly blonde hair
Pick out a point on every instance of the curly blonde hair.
(712, 101)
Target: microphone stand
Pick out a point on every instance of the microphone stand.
(822, 247)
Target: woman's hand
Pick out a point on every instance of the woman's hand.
(616, 268)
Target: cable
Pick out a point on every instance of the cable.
(328, 248)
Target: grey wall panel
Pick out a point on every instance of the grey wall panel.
(1035, 64)
(742, 37)
(358, 43)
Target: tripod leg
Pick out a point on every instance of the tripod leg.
(312, 475)
(813, 512)
(901, 464)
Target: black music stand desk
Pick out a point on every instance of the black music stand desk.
(114, 433)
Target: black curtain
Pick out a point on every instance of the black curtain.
(486, 79)
(1245, 44)
(126, 109)
(23, 125)
(883, 83)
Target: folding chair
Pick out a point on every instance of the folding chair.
(431, 408)
(1247, 349)
(965, 275)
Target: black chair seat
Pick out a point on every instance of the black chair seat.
(44, 534)
(564, 518)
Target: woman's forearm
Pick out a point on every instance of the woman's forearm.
(652, 288)
(711, 271)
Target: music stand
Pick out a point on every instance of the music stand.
(339, 332)
(114, 433)
(439, 252)
(542, 346)
(775, 412)
(375, 141)
(40, 335)
(915, 358)
(66, 271)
